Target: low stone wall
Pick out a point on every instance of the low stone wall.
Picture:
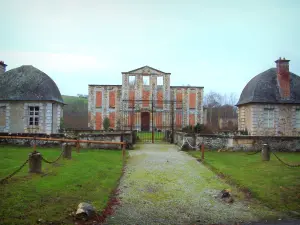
(109, 136)
(276, 143)
(24, 142)
(239, 143)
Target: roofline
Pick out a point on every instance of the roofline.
(186, 87)
(144, 74)
(106, 85)
(13, 100)
(143, 67)
(2, 63)
(119, 85)
(269, 103)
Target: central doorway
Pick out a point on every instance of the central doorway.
(145, 118)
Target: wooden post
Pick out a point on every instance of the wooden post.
(35, 162)
(77, 147)
(265, 153)
(67, 148)
(123, 151)
(34, 144)
(172, 122)
(202, 151)
(152, 121)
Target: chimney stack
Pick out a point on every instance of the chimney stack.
(2, 67)
(283, 77)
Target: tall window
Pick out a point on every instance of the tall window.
(297, 118)
(34, 115)
(146, 80)
(268, 118)
(160, 81)
(2, 116)
(131, 81)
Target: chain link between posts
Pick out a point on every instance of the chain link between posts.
(287, 164)
(51, 162)
(2, 181)
(253, 153)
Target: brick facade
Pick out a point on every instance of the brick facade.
(141, 84)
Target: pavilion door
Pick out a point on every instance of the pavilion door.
(145, 119)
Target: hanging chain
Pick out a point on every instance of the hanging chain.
(2, 181)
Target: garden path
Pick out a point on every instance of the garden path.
(162, 185)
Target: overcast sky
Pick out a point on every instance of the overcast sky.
(220, 45)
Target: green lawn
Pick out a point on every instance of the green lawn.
(263, 179)
(147, 136)
(90, 176)
(74, 99)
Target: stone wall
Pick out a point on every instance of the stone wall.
(111, 136)
(240, 143)
(4, 117)
(17, 117)
(108, 136)
(24, 142)
(251, 117)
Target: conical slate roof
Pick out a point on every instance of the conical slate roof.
(27, 83)
(264, 88)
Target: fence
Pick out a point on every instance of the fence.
(35, 158)
(154, 120)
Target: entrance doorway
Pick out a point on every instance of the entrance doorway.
(145, 118)
(152, 124)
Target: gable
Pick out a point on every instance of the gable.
(147, 70)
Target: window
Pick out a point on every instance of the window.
(160, 81)
(131, 80)
(268, 118)
(298, 118)
(146, 80)
(34, 115)
(2, 116)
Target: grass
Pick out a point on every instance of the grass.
(74, 99)
(262, 179)
(147, 136)
(90, 176)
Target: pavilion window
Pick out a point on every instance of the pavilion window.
(2, 116)
(268, 117)
(298, 118)
(34, 113)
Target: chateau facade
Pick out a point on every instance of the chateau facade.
(145, 100)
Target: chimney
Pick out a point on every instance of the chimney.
(283, 77)
(2, 67)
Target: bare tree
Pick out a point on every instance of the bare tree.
(212, 100)
(232, 101)
(220, 106)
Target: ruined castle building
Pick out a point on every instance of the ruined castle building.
(270, 102)
(30, 101)
(139, 87)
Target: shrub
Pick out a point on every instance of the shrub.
(106, 123)
(244, 132)
(198, 128)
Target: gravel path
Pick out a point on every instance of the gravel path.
(162, 185)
